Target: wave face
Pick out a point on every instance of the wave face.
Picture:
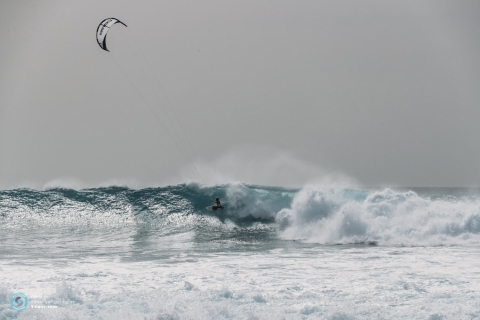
(311, 214)
(123, 205)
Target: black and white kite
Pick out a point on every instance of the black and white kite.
(102, 30)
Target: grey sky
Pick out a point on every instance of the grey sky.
(386, 92)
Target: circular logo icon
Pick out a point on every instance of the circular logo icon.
(19, 301)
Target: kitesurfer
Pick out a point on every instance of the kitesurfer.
(218, 205)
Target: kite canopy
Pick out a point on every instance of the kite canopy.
(102, 30)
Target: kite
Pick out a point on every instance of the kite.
(102, 30)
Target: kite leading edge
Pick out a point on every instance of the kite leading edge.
(102, 30)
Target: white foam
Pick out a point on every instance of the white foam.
(385, 217)
(291, 283)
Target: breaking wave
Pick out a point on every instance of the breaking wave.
(380, 217)
(312, 214)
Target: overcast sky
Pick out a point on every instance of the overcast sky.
(269, 92)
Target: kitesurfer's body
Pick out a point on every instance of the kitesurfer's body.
(218, 205)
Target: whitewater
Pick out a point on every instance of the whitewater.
(274, 253)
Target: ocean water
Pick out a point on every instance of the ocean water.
(273, 253)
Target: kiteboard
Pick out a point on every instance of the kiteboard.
(213, 208)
